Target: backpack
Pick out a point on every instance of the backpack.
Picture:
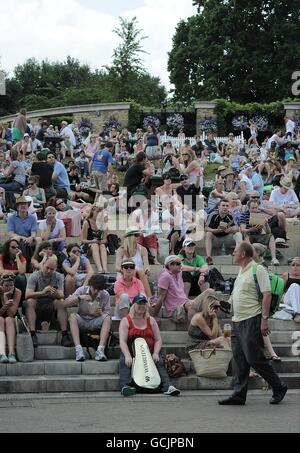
(113, 243)
(218, 282)
(91, 340)
(277, 289)
(174, 366)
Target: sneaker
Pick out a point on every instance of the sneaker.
(12, 358)
(275, 262)
(80, 355)
(128, 391)
(172, 391)
(209, 261)
(66, 342)
(3, 358)
(100, 356)
(35, 340)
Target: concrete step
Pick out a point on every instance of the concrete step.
(50, 353)
(109, 383)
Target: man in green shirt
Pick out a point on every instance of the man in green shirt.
(194, 269)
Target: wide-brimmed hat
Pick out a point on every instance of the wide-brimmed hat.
(286, 182)
(132, 231)
(221, 168)
(24, 200)
(228, 172)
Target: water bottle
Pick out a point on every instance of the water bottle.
(227, 287)
(154, 298)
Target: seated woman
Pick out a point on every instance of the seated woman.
(10, 298)
(139, 255)
(292, 288)
(16, 173)
(69, 211)
(94, 238)
(217, 194)
(205, 330)
(146, 219)
(12, 260)
(140, 324)
(126, 287)
(42, 253)
(93, 315)
(194, 269)
(77, 268)
(37, 194)
(53, 230)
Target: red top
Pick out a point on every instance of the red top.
(147, 333)
(12, 266)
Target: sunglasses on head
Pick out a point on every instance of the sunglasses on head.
(6, 278)
(128, 266)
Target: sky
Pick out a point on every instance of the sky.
(84, 29)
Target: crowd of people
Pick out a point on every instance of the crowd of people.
(57, 183)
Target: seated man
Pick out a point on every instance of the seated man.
(23, 227)
(284, 199)
(221, 229)
(259, 233)
(93, 315)
(45, 294)
(126, 288)
(171, 294)
(194, 269)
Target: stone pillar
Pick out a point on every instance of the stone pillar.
(292, 110)
(204, 109)
(99, 117)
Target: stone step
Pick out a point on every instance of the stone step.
(173, 335)
(91, 367)
(110, 383)
(51, 353)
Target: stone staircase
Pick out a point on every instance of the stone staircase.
(56, 371)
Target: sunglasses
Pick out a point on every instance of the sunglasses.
(255, 198)
(128, 266)
(175, 263)
(14, 247)
(58, 204)
(75, 251)
(7, 278)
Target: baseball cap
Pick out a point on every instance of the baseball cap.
(188, 242)
(126, 262)
(26, 135)
(140, 299)
(171, 259)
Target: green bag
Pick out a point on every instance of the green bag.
(277, 289)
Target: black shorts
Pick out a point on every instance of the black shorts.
(187, 277)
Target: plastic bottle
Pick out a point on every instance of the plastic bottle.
(227, 287)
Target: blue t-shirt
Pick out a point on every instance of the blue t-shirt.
(82, 266)
(22, 227)
(62, 179)
(256, 178)
(101, 160)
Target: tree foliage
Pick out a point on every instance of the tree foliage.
(239, 50)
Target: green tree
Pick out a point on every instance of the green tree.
(239, 50)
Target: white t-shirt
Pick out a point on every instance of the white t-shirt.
(68, 131)
(274, 138)
(290, 126)
(56, 232)
(283, 199)
(248, 182)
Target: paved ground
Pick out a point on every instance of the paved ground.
(193, 412)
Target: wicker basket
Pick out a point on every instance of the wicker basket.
(211, 363)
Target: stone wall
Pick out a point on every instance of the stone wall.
(98, 118)
(204, 110)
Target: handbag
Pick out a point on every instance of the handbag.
(174, 366)
(24, 345)
(144, 372)
(211, 363)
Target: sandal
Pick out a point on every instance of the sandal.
(252, 374)
(275, 358)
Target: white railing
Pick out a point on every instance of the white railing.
(177, 142)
